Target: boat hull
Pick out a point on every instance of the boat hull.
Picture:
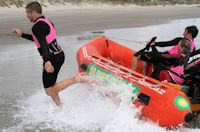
(160, 102)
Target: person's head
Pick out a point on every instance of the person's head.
(33, 10)
(184, 46)
(190, 32)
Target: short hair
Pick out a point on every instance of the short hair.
(186, 45)
(34, 6)
(193, 30)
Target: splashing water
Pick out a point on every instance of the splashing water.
(86, 108)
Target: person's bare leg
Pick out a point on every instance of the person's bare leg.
(144, 67)
(55, 89)
(56, 99)
(59, 86)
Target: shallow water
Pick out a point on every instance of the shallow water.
(25, 107)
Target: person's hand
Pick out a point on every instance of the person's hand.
(17, 31)
(48, 67)
(153, 43)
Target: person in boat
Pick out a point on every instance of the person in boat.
(175, 72)
(44, 36)
(190, 33)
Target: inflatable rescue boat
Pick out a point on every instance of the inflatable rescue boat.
(159, 101)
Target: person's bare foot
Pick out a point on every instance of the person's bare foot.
(80, 78)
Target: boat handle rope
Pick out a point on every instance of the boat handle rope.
(144, 82)
(134, 41)
(134, 77)
(130, 74)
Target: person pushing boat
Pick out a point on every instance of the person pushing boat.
(44, 36)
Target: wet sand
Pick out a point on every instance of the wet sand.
(73, 20)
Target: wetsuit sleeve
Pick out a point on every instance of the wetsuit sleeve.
(40, 30)
(168, 43)
(27, 36)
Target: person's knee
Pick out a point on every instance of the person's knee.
(136, 58)
(134, 62)
(49, 91)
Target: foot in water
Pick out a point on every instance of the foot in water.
(81, 78)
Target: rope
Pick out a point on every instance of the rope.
(138, 42)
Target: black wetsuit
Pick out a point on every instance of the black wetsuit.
(47, 51)
(168, 43)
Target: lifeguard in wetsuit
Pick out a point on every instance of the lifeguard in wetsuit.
(44, 36)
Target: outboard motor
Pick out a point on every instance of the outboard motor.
(192, 77)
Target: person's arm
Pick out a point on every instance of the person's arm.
(27, 36)
(21, 34)
(170, 56)
(168, 43)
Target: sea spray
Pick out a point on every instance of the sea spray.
(86, 107)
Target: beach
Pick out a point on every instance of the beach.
(71, 20)
(23, 103)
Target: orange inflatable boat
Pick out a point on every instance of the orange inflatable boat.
(160, 102)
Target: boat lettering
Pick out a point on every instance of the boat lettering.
(150, 86)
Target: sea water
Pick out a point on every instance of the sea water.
(86, 107)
